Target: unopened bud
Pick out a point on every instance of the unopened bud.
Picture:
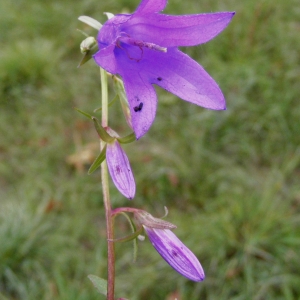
(87, 44)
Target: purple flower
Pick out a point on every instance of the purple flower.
(142, 48)
(175, 253)
(119, 169)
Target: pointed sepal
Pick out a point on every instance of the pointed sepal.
(102, 132)
(98, 161)
(119, 88)
(127, 139)
(88, 55)
(148, 220)
(84, 113)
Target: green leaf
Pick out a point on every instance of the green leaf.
(91, 22)
(95, 165)
(84, 113)
(102, 132)
(127, 139)
(99, 283)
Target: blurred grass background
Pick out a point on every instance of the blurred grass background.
(230, 179)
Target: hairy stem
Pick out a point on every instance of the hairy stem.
(106, 197)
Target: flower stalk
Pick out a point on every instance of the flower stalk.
(106, 197)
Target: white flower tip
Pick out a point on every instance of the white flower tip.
(109, 15)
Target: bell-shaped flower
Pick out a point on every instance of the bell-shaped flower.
(143, 49)
(172, 250)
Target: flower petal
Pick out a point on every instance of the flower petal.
(179, 74)
(175, 253)
(120, 170)
(151, 6)
(171, 31)
(106, 59)
(188, 80)
(140, 93)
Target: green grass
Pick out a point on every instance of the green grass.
(230, 179)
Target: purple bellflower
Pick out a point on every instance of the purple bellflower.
(143, 49)
(172, 250)
(119, 167)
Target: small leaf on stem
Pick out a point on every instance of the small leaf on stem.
(99, 283)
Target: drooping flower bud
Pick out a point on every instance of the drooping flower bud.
(175, 253)
(87, 44)
(119, 167)
(171, 249)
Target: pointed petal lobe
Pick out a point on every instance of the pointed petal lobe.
(120, 170)
(185, 78)
(140, 93)
(174, 31)
(151, 6)
(179, 74)
(106, 59)
(175, 253)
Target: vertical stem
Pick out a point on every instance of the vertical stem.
(106, 198)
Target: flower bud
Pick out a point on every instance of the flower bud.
(119, 169)
(171, 249)
(87, 44)
(175, 253)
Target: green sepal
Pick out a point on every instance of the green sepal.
(97, 162)
(91, 22)
(84, 113)
(136, 232)
(99, 283)
(84, 33)
(88, 55)
(102, 132)
(119, 88)
(119, 85)
(127, 139)
(109, 104)
(129, 237)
